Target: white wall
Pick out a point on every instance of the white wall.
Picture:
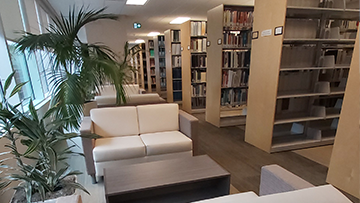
(109, 32)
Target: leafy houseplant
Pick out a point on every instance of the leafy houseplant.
(45, 176)
(77, 67)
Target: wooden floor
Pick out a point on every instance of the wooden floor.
(227, 147)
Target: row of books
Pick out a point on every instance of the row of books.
(152, 71)
(198, 76)
(151, 44)
(237, 78)
(233, 97)
(151, 52)
(153, 80)
(198, 28)
(198, 60)
(152, 62)
(162, 73)
(176, 73)
(177, 85)
(175, 36)
(236, 58)
(176, 61)
(177, 96)
(198, 102)
(176, 49)
(238, 18)
(198, 90)
(162, 82)
(198, 45)
(237, 39)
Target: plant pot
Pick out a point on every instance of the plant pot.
(65, 195)
(88, 105)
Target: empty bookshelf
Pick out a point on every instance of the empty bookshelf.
(299, 68)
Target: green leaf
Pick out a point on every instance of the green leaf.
(33, 146)
(4, 184)
(33, 111)
(17, 89)
(76, 186)
(8, 82)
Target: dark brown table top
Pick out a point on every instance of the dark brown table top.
(157, 174)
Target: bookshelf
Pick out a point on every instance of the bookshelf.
(136, 63)
(160, 65)
(173, 65)
(344, 164)
(303, 72)
(150, 66)
(229, 31)
(143, 61)
(193, 40)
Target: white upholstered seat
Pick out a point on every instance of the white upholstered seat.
(118, 148)
(166, 142)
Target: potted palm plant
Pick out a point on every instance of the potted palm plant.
(77, 67)
(38, 171)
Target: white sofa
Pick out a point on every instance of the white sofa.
(278, 185)
(134, 96)
(136, 134)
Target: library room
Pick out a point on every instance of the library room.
(206, 101)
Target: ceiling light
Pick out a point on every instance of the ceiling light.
(151, 34)
(136, 2)
(139, 41)
(179, 20)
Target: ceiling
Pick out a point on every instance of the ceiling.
(155, 15)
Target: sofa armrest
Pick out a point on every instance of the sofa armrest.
(189, 126)
(142, 91)
(88, 144)
(275, 179)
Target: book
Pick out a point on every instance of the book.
(236, 58)
(198, 28)
(233, 97)
(237, 78)
(237, 38)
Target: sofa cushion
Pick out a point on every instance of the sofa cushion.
(131, 89)
(166, 142)
(107, 90)
(158, 118)
(118, 148)
(116, 121)
(319, 194)
(150, 98)
(240, 197)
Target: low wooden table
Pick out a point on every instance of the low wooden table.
(174, 180)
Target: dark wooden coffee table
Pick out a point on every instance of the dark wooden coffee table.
(174, 180)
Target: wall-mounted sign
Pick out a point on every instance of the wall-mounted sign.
(219, 41)
(137, 25)
(182, 48)
(208, 43)
(255, 34)
(278, 30)
(189, 47)
(265, 33)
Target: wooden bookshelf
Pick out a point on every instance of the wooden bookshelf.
(303, 73)
(344, 163)
(160, 65)
(143, 65)
(137, 63)
(173, 65)
(150, 66)
(228, 64)
(193, 40)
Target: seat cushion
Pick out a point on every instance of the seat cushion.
(116, 121)
(131, 89)
(166, 142)
(118, 148)
(158, 118)
(240, 197)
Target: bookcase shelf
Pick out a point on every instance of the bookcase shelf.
(299, 99)
(194, 61)
(228, 64)
(160, 65)
(137, 63)
(173, 65)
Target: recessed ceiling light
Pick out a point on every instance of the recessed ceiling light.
(179, 20)
(135, 2)
(151, 34)
(139, 41)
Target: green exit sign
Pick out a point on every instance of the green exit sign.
(137, 25)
